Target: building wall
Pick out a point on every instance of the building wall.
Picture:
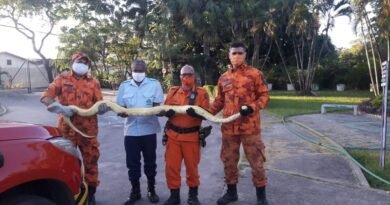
(19, 71)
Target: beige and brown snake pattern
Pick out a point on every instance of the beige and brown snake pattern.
(144, 112)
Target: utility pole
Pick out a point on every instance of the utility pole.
(28, 77)
(384, 85)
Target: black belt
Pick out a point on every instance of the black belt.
(181, 130)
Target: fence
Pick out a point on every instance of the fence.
(25, 75)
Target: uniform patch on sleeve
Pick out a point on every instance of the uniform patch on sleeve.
(227, 85)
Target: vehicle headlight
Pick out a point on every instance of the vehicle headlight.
(66, 145)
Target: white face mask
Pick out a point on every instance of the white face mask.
(139, 77)
(80, 68)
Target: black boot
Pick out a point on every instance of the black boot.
(193, 196)
(152, 196)
(174, 199)
(91, 195)
(260, 193)
(229, 196)
(135, 194)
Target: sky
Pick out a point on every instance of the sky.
(342, 34)
(16, 43)
(12, 41)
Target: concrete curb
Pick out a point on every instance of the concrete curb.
(357, 172)
(355, 169)
(3, 110)
(108, 93)
(379, 117)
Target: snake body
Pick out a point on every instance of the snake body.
(144, 112)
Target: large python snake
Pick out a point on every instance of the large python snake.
(143, 112)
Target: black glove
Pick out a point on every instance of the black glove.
(167, 114)
(191, 112)
(246, 110)
(122, 114)
(170, 113)
(103, 108)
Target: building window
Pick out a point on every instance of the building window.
(9, 62)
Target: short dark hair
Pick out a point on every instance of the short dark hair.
(139, 62)
(238, 44)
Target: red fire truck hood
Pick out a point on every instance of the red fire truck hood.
(17, 131)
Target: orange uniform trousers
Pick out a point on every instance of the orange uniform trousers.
(89, 148)
(254, 151)
(176, 152)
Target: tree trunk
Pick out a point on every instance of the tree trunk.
(297, 59)
(49, 71)
(388, 48)
(371, 32)
(268, 52)
(206, 54)
(376, 92)
(283, 60)
(104, 60)
(309, 66)
(374, 59)
(256, 49)
(46, 64)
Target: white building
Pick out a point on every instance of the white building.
(18, 72)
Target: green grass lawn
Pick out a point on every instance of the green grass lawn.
(286, 103)
(370, 160)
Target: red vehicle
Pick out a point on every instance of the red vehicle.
(38, 166)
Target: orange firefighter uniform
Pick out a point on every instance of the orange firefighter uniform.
(183, 138)
(244, 85)
(83, 93)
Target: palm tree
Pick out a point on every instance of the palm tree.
(368, 35)
(303, 27)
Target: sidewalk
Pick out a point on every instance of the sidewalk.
(362, 131)
(301, 173)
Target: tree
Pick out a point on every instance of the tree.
(371, 30)
(382, 10)
(179, 32)
(91, 39)
(171, 33)
(303, 27)
(52, 11)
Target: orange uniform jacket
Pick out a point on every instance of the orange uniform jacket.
(245, 85)
(83, 93)
(177, 96)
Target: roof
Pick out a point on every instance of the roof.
(33, 61)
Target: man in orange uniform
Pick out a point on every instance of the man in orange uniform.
(183, 136)
(78, 88)
(242, 89)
